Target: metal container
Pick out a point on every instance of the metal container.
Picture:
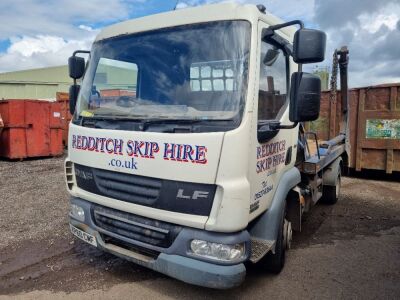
(1, 126)
(374, 126)
(31, 128)
(63, 99)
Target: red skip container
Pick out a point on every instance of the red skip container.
(63, 99)
(32, 128)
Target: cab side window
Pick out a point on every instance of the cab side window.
(272, 95)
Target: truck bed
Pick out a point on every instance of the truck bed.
(324, 155)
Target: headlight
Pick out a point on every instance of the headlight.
(77, 212)
(217, 251)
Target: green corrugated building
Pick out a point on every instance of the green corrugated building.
(40, 83)
(44, 83)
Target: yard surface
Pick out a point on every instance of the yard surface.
(350, 250)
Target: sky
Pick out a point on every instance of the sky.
(41, 33)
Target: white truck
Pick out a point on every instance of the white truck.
(186, 149)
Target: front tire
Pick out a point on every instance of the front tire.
(274, 262)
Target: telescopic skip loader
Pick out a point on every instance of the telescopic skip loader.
(186, 152)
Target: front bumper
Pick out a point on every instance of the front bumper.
(174, 261)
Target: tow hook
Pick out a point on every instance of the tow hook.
(287, 234)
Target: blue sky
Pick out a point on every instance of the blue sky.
(41, 33)
(150, 7)
(4, 44)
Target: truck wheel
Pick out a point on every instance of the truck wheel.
(274, 262)
(330, 194)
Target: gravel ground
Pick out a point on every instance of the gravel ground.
(349, 250)
(34, 200)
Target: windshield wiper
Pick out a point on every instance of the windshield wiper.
(93, 120)
(113, 117)
(146, 123)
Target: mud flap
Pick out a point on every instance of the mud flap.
(330, 173)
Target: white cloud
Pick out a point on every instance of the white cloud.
(45, 33)
(56, 17)
(372, 33)
(373, 24)
(87, 28)
(181, 5)
(370, 28)
(27, 46)
(41, 51)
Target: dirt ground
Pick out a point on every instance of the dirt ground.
(350, 250)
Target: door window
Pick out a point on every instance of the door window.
(272, 95)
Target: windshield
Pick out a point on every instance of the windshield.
(195, 72)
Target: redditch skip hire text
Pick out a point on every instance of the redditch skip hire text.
(142, 149)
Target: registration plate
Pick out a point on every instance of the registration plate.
(88, 238)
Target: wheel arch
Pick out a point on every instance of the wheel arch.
(267, 225)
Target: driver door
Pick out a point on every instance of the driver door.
(272, 157)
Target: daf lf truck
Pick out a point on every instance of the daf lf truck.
(186, 151)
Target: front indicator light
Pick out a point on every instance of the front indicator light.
(217, 251)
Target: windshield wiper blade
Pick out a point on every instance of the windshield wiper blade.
(148, 122)
(144, 123)
(114, 117)
(93, 121)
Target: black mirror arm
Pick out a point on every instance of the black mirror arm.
(279, 26)
(79, 51)
(270, 31)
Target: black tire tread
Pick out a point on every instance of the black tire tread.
(274, 263)
(329, 195)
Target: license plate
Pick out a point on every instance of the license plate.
(88, 238)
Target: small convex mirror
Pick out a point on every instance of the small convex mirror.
(270, 57)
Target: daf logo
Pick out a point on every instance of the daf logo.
(196, 195)
(84, 175)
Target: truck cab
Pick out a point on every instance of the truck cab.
(184, 140)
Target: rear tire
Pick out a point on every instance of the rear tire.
(330, 194)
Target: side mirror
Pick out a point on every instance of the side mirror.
(309, 46)
(76, 66)
(73, 96)
(271, 57)
(305, 97)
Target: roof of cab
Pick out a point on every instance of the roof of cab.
(191, 15)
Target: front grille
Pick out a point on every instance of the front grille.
(147, 191)
(131, 247)
(156, 233)
(126, 187)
